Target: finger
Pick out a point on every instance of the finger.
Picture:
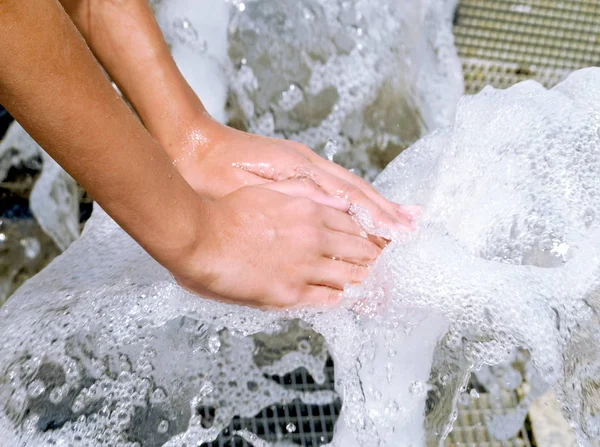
(351, 249)
(306, 187)
(391, 208)
(343, 222)
(321, 296)
(336, 186)
(261, 169)
(412, 210)
(336, 274)
(379, 241)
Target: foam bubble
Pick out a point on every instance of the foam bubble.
(351, 71)
(102, 348)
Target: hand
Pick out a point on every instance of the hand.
(216, 160)
(264, 247)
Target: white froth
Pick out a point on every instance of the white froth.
(372, 75)
(101, 348)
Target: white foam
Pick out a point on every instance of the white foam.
(104, 332)
(372, 75)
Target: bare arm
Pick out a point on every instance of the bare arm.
(256, 246)
(127, 40)
(51, 83)
(124, 36)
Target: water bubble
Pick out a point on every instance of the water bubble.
(206, 389)
(214, 344)
(78, 405)
(417, 388)
(187, 34)
(31, 247)
(58, 394)
(158, 395)
(389, 372)
(308, 14)
(184, 30)
(163, 427)
(464, 399)
(588, 217)
(36, 389)
(291, 97)
(304, 346)
(331, 148)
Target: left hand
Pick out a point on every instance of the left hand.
(217, 160)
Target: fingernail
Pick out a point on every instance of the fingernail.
(411, 210)
(342, 203)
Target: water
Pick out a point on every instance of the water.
(372, 75)
(113, 352)
(102, 348)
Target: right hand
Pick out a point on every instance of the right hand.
(281, 244)
(216, 160)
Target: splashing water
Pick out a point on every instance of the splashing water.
(347, 70)
(372, 75)
(102, 348)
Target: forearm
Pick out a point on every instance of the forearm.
(51, 83)
(126, 39)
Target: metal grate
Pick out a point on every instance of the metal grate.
(502, 42)
(296, 423)
(470, 429)
(312, 425)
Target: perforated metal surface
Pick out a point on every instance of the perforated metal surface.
(502, 42)
(312, 425)
(297, 423)
(470, 429)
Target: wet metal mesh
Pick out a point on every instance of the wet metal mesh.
(500, 42)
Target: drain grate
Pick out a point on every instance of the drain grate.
(470, 429)
(502, 42)
(295, 423)
(312, 425)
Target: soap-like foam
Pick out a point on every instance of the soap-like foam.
(371, 75)
(102, 348)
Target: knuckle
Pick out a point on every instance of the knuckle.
(312, 208)
(315, 237)
(357, 272)
(350, 189)
(311, 185)
(334, 296)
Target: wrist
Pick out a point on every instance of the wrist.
(193, 264)
(191, 141)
